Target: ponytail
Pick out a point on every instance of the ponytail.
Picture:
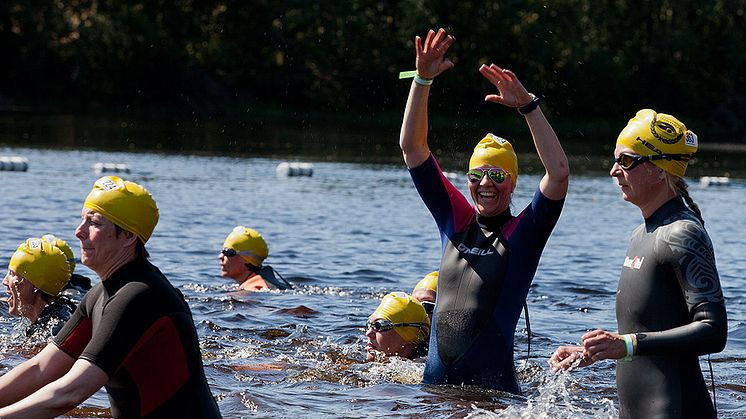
(682, 189)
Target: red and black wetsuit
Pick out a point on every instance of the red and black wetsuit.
(138, 329)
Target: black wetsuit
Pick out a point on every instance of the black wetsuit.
(51, 319)
(138, 329)
(669, 295)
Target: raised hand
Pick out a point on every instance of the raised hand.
(431, 59)
(510, 91)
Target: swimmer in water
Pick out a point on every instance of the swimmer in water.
(78, 283)
(132, 333)
(669, 303)
(242, 257)
(398, 327)
(37, 273)
(425, 292)
(489, 255)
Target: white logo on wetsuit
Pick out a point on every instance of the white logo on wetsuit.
(635, 263)
(474, 250)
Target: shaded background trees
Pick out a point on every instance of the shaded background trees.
(591, 59)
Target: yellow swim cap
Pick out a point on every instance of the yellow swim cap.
(429, 282)
(124, 203)
(52, 239)
(495, 151)
(650, 133)
(43, 264)
(249, 244)
(399, 307)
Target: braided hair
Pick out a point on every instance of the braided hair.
(681, 188)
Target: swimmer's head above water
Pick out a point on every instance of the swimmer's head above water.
(37, 272)
(117, 219)
(244, 251)
(425, 291)
(398, 327)
(492, 175)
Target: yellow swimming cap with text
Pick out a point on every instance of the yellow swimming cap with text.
(650, 133)
(249, 243)
(495, 151)
(399, 307)
(429, 282)
(43, 264)
(124, 203)
(51, 238)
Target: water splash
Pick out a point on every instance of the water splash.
(555, 400)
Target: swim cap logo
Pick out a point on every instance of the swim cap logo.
(499, 140)
(690, 139)
(667, 130)
(34, 244)
(106, 184)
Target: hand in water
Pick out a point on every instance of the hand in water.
(510, 90)
(430, 56)
(567, 358)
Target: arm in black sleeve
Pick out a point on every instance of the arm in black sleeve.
(693, 261)
(706, 333)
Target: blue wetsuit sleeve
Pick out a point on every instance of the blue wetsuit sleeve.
(446, 203)
(690, 253)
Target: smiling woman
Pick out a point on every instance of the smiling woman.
(489, 255)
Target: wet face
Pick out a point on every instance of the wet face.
(232, 266)
(640, 183)
(490, 198)
(21, 293)
(100, 244)
(387, 342)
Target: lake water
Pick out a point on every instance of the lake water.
(346, 236)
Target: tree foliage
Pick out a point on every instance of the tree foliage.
(601, 58)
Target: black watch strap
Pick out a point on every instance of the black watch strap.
(523, 110)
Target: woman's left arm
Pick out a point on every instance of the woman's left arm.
(692, 257)
(511, 93)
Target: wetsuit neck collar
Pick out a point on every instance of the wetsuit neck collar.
(664, 212)
(493, 223)
(124, 274)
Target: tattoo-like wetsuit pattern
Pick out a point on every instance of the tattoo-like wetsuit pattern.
(669, 295)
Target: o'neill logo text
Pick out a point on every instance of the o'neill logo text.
(634, 263)
(475, 250)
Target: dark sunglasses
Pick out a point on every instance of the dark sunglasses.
(384, 325)
(630, 161)
(429, 306)
(228, 252)
(497, 175)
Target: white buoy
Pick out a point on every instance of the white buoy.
(13, 163)
(100, 168)
(294, 169)
(706, 181)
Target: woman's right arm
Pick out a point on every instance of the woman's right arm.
(430, 63)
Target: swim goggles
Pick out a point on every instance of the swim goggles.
(384, 325)
(630, 161)
(228, 252)
(429, 306)
(497, 175)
